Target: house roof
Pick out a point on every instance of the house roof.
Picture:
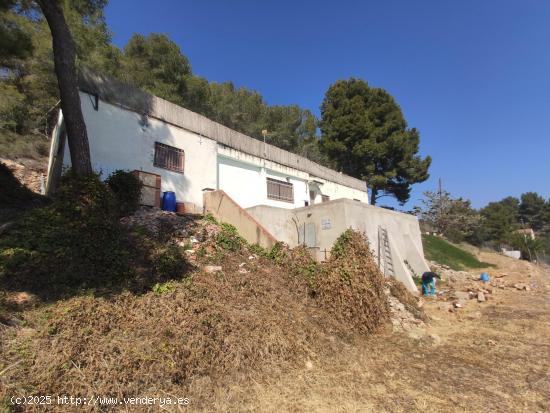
(131, 98)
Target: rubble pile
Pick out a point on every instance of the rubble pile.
(448, 274)
(187, 231)
(456, 293)
(401, 318)
(157, 221)
(470, 291)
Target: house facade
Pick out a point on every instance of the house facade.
(269, 194)
(132, 130)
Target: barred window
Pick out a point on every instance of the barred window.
(168, 157)
(280, 190)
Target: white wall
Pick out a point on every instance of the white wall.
(330, 219)
(119, 140)
(237, 170)
(246, 183)
(337, 191)
(122, 139)
(241, 181)
(301, 193)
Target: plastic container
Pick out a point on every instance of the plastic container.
(180, 208)
(484, 277)
(169, 201)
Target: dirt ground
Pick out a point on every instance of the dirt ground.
(491, 356)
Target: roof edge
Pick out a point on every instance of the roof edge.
(129, 97)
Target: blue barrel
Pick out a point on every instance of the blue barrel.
(169, 201)
(484, 277)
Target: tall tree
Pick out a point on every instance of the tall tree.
(365, 134)
(155, 63)
(533, 210)
(64, 52)
(28, 79)
(453, 217)
(500, 219)
(15, 42)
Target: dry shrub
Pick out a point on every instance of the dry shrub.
(351, 286)
(399, 291)
(212, 328)
(253, 319)
(299, 264)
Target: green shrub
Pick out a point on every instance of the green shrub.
(529, 247)
(210, 218)
(73, 243)
(275, 253)
(258, 250)
(342, 243)
(127, 189)
(169, 263)
(228, 238)
(163, 288)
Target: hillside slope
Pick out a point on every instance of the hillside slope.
(443, 252)
(238, 316)
(226, 326)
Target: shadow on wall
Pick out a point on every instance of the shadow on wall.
(136, 132)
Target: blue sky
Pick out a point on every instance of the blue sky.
(472, 76)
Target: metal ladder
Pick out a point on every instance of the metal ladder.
(385, 261)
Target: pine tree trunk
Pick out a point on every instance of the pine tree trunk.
(64, 52)
(373, 193)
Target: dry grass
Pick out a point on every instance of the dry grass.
(253, 338)
(211, 331)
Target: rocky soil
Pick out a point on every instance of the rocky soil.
(29, 172)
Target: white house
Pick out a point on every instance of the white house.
(132, 130)
(273, 194)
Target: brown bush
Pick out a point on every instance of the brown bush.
(351, 286)
(183, 338)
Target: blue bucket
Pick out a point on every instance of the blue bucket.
(484, 277)
(169, 201)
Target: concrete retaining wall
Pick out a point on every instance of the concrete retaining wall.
(281, 223)
(328, 220)
(225, 209)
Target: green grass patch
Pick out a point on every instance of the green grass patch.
(443, 252)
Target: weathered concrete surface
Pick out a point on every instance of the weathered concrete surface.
(118, 93)
(280, 222)
(328, 220)
(225, 209)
